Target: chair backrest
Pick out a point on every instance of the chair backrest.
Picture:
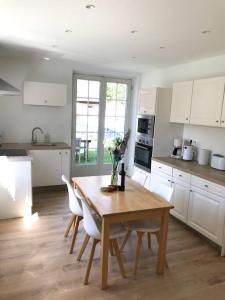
(74, 198)
(77, 143)
(138, 177)
(162, 190)
(91, 225)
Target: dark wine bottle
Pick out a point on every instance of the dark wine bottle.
(122, 178)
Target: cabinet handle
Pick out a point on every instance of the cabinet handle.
(169, 180)
(160, 167)
(60, 153)
(217, 121)
(206, 185)
(180, 175)
(186, 119)
(191, 191)
(173, 182)
(222, 121)
(45, 101)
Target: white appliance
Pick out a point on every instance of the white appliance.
(203, 157)
(218, 162)
(177, 148)
(187, 152)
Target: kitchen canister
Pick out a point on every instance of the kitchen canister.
(203, 156)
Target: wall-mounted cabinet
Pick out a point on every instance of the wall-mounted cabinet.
(204, 102)
(42, 93)
(181, 102)
(147, 101)
(207, 101)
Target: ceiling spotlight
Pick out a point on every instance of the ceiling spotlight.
(90, 6)
(68, 31)
(162, 47)
(206, 31)
(134, 31)
(46, 58)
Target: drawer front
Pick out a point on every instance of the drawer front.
(182, 176)
(158, 167)
(208, 186)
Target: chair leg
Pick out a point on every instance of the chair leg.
(77, 222)
(90, 261)
(84, 245)
(157, 236)
(149, 241)
(119, 257)
(111, 248)
(72, 219)
(125, 240)
(138, 250)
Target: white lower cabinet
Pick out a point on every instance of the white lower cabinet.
(206, 214)
(160, 178)
(49, 165)
(180, 200)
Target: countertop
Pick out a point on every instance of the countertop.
(28, 146)
(192, 167)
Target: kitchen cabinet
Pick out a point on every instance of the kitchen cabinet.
(181, 102)
(207, 101)
(222, 121)
(147, 101)
(160, 178)
(49, 165)
(206, 214)
(42, 93)
(180, 200)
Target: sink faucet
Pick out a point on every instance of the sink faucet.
(34, 140)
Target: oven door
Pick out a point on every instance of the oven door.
(143, 155)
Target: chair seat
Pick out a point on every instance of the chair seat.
(116, 231)
(148, 225)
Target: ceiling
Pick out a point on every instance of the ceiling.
(102, 35)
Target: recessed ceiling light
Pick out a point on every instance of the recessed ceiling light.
(68, 31)
(134, 31)
(46, 58)
(90, 6)
(206, 31)
(162, 47)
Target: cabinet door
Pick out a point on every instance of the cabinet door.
(181, 102)
(147, 101)
(206, 214)
(41, 93)
(160, 178)
(180, 200)
(65, 168)
(207, 101)
(223, 114)
(46, 167)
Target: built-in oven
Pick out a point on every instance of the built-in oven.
(145, 125)
(143, 154)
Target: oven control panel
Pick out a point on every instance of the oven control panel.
(144, 140)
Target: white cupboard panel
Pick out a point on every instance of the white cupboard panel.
(65, 168)
(207, 101)
(222, 123)
(160, 178)
(181, 102)
(206, 214)
(180, 200)
(41, 93)
(147, 101)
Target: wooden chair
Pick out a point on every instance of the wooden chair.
(92, 227)
(149, 226)
(138, 177)
(76, 209)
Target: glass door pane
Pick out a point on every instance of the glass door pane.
(87, 121)
(115, 114)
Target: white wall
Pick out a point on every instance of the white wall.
(207, 137)
(17, 120)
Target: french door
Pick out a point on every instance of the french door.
(100, 114)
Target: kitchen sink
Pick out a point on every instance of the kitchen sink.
(43, 144)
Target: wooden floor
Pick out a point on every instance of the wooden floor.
(35, 264)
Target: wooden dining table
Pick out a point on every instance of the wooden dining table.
(135, 203)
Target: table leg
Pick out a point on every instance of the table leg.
(104, 252)
(163, 242)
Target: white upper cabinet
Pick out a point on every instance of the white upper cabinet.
(207, 101)
(222, 122)
(181, 102)
(41, 93)
(147, 101)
